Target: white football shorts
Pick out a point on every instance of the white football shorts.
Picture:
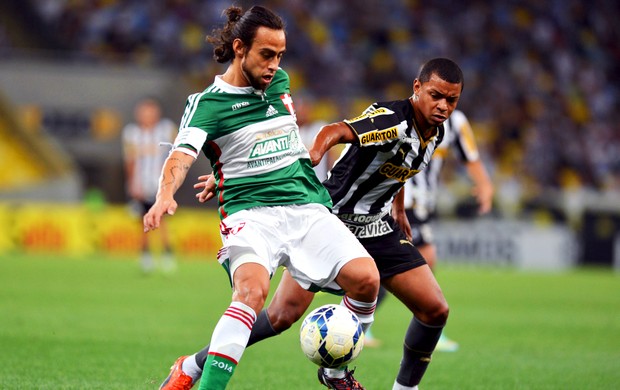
(308, 240)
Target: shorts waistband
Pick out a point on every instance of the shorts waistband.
(362, 218)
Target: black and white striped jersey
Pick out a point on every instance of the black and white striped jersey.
(389, 150)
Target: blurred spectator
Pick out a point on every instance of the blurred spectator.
(145, 147)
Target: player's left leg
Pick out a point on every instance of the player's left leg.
(420, 292)
(429, 252)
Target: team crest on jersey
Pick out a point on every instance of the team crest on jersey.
(288, 103)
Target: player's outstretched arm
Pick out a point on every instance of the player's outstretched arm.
(328, 136)
(483, 187)
(172, 176)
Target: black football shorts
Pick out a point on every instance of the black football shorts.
(392, 252)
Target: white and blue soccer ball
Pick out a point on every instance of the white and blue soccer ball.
(331, 336)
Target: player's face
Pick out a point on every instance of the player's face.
(147, 114)
(436, 100)
(261, 61)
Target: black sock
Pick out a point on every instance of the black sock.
(261, 330)
(420, 342)
(381, 296)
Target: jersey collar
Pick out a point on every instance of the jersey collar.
(224, 86)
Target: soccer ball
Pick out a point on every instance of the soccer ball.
(331, 336)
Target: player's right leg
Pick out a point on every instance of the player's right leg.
(288, 304)
(231, 334)
(250, 256)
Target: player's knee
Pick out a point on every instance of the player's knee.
(252, 296)
(367, 286)
(438, 315)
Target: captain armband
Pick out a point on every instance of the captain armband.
(190, 140)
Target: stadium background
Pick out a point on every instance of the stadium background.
(541, 91)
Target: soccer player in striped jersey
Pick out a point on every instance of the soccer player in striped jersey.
(274, 211)
(143, 158)
(421, 191)
(385, 146)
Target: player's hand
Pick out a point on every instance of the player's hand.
(402, 221)
(400, 216)
(152, 219)
(315, 157)
(484, 196)
(207, 183)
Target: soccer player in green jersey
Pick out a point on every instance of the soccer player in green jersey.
(274, 211)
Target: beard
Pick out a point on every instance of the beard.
(255, 82)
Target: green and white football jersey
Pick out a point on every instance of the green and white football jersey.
(253, 142)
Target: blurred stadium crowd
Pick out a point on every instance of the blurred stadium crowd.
(542, 77)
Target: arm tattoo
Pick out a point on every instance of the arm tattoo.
(177, 172)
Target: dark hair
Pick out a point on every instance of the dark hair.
(445, 68)
(242, 26)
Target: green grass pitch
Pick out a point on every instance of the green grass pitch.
(99, 324)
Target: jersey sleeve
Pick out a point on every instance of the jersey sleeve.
(376, 126)
(192, 134)
(465, 142)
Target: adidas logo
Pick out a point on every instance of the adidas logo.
(271, 111)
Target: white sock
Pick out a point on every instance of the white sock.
(191, 368)
(231, 334)
(398, 386)
(364, 310)
(337, 373)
